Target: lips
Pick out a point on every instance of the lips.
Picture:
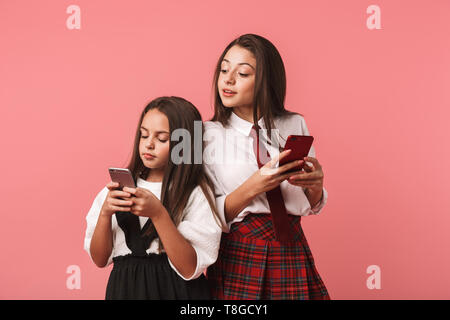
(148, 156)
(227, 92)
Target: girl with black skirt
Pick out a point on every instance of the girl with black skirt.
(162, 235)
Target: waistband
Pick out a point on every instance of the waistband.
(151, 258)
(257, 225)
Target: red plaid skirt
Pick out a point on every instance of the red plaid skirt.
(253, 265)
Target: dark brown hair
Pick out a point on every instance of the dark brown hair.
(179, 180)
(270, 82)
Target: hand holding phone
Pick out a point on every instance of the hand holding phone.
(123, 177)
(116, 200)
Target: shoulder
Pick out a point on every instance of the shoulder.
(291, 119)
(294, 123)
(198, 196)
(197, 203)
(214, 133)
(212, 125)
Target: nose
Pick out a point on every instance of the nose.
(229, 78)
(150, 144)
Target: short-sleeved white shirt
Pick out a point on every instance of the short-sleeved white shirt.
(198, 226)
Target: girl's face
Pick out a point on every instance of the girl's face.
(155, 139)
(237, 74)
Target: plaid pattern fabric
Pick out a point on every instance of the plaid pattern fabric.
(253, 265)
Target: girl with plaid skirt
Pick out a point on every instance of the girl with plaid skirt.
(255, 259)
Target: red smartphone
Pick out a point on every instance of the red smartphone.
(123, 177)
(300, 146)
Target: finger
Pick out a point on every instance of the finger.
(137, 201)
(314, 162)
(305, 176)
(277, 158)
(136, 210)
(308, 168)
(121, 203)
(270, 167)
(267, 170)
(287, 175)
(113, 185)
(290, 165)
(119, 193)
(311, 168)
(302, 184)
(141, 192)
(130, 190)
(300, 181)
(118, 208)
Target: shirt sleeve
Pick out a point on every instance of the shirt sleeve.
(319, 206)
(203, 232)
(219, 196)
(91, 220)
(208, 164)
(312, 153)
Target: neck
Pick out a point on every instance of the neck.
(155, 175)
(245, 112)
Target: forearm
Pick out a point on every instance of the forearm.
(236, 201)
(314, 196)
(178, 249)
(101, 242)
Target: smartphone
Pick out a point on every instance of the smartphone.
(123, 177)
(300, 146)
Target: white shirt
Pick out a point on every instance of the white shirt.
(230, 160)
(198, 226)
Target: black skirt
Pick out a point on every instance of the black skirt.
(151, 277)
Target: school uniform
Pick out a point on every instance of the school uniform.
(140, 270)
(252, 262)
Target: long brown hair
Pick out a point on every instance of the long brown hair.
(179, 179)
(270, 82)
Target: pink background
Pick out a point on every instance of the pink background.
(377, 102)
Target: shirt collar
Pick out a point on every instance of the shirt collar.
(244, 126)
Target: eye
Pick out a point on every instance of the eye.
(243, 75)
(223, 70)
(144, 137)
(162, 140)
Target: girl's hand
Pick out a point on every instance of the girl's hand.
(113, 201)
(145, 203)
(268, 177)
(311, 178)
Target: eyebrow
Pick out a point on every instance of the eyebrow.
(241, 63)
(157, 132)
